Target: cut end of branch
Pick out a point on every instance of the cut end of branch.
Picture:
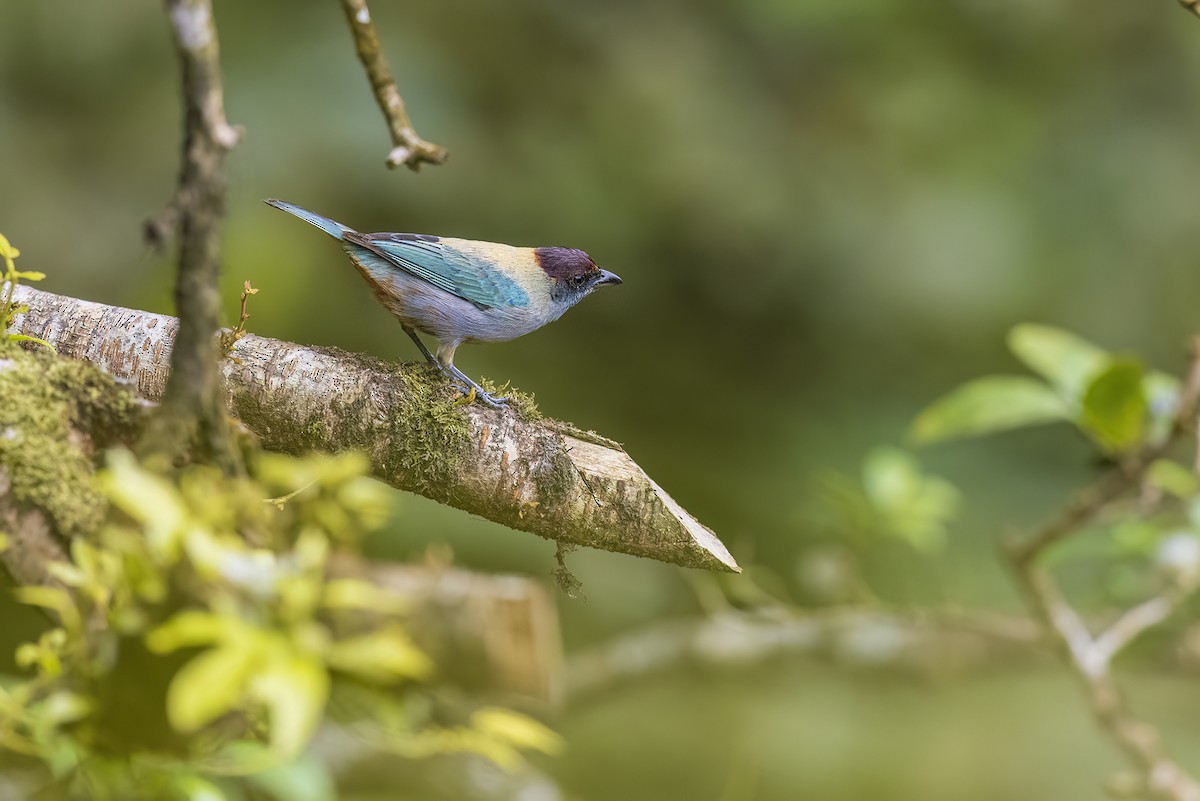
(703, 542)
(415, 153)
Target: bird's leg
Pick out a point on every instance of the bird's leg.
(445, 361)
(429, 357)
(451, 372)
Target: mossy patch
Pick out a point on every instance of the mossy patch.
(522, 403)
(43, 399)
(430, 431)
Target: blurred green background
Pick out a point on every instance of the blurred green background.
(826, 213)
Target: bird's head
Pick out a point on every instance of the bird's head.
(572, 273)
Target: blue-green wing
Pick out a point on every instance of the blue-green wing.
(429, 259)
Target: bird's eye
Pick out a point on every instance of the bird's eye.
(578, 280)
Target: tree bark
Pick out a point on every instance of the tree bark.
(540, 476)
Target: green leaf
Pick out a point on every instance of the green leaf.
(1132, 536)
(29, 275)
(7, 251)
(386, 655)
(911, 505)
(1172, 477)
(986, 405)
(67, 573)
(191, 628)
(1115, 407)
(193, 788)
(305, 779)
(355, 594)
(62, 707)
(28, 338)
(1064, 359)
(295, 690)
(212, 684)
(517, 729)
(54, 599)
(146, 497)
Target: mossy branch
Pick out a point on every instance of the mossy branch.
(489, 632)
(539, 476)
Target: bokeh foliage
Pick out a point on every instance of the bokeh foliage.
(203, 638)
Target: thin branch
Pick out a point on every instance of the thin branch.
(1191, 5)
(1090, 658)
(1140, 619)
(931, 644)
(1160, 775)
(191, 404)
(408, 148)
(1083, 508)
(544, 477)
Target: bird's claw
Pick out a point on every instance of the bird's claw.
(491, 400)
(484, 397)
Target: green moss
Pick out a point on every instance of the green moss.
(431, 430)
(43, 399)
(520, 402)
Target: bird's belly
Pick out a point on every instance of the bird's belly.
(448, 317)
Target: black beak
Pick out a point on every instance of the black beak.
(608, 278)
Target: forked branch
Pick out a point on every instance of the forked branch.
(1090, 656)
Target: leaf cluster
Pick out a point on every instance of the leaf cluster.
(9, 309)
(202, 632)
(1111, 398)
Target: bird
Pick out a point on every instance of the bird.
(460, 291)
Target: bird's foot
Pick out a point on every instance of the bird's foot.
(484, 397)
(473, 390)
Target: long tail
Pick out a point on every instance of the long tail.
(334, 229)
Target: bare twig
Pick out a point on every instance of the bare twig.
(930, 644)
(1090, 660)
(1140, 619)
(408, 149)
(525, 474)
(1089, 657)
(230, 336)
(191, 404)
